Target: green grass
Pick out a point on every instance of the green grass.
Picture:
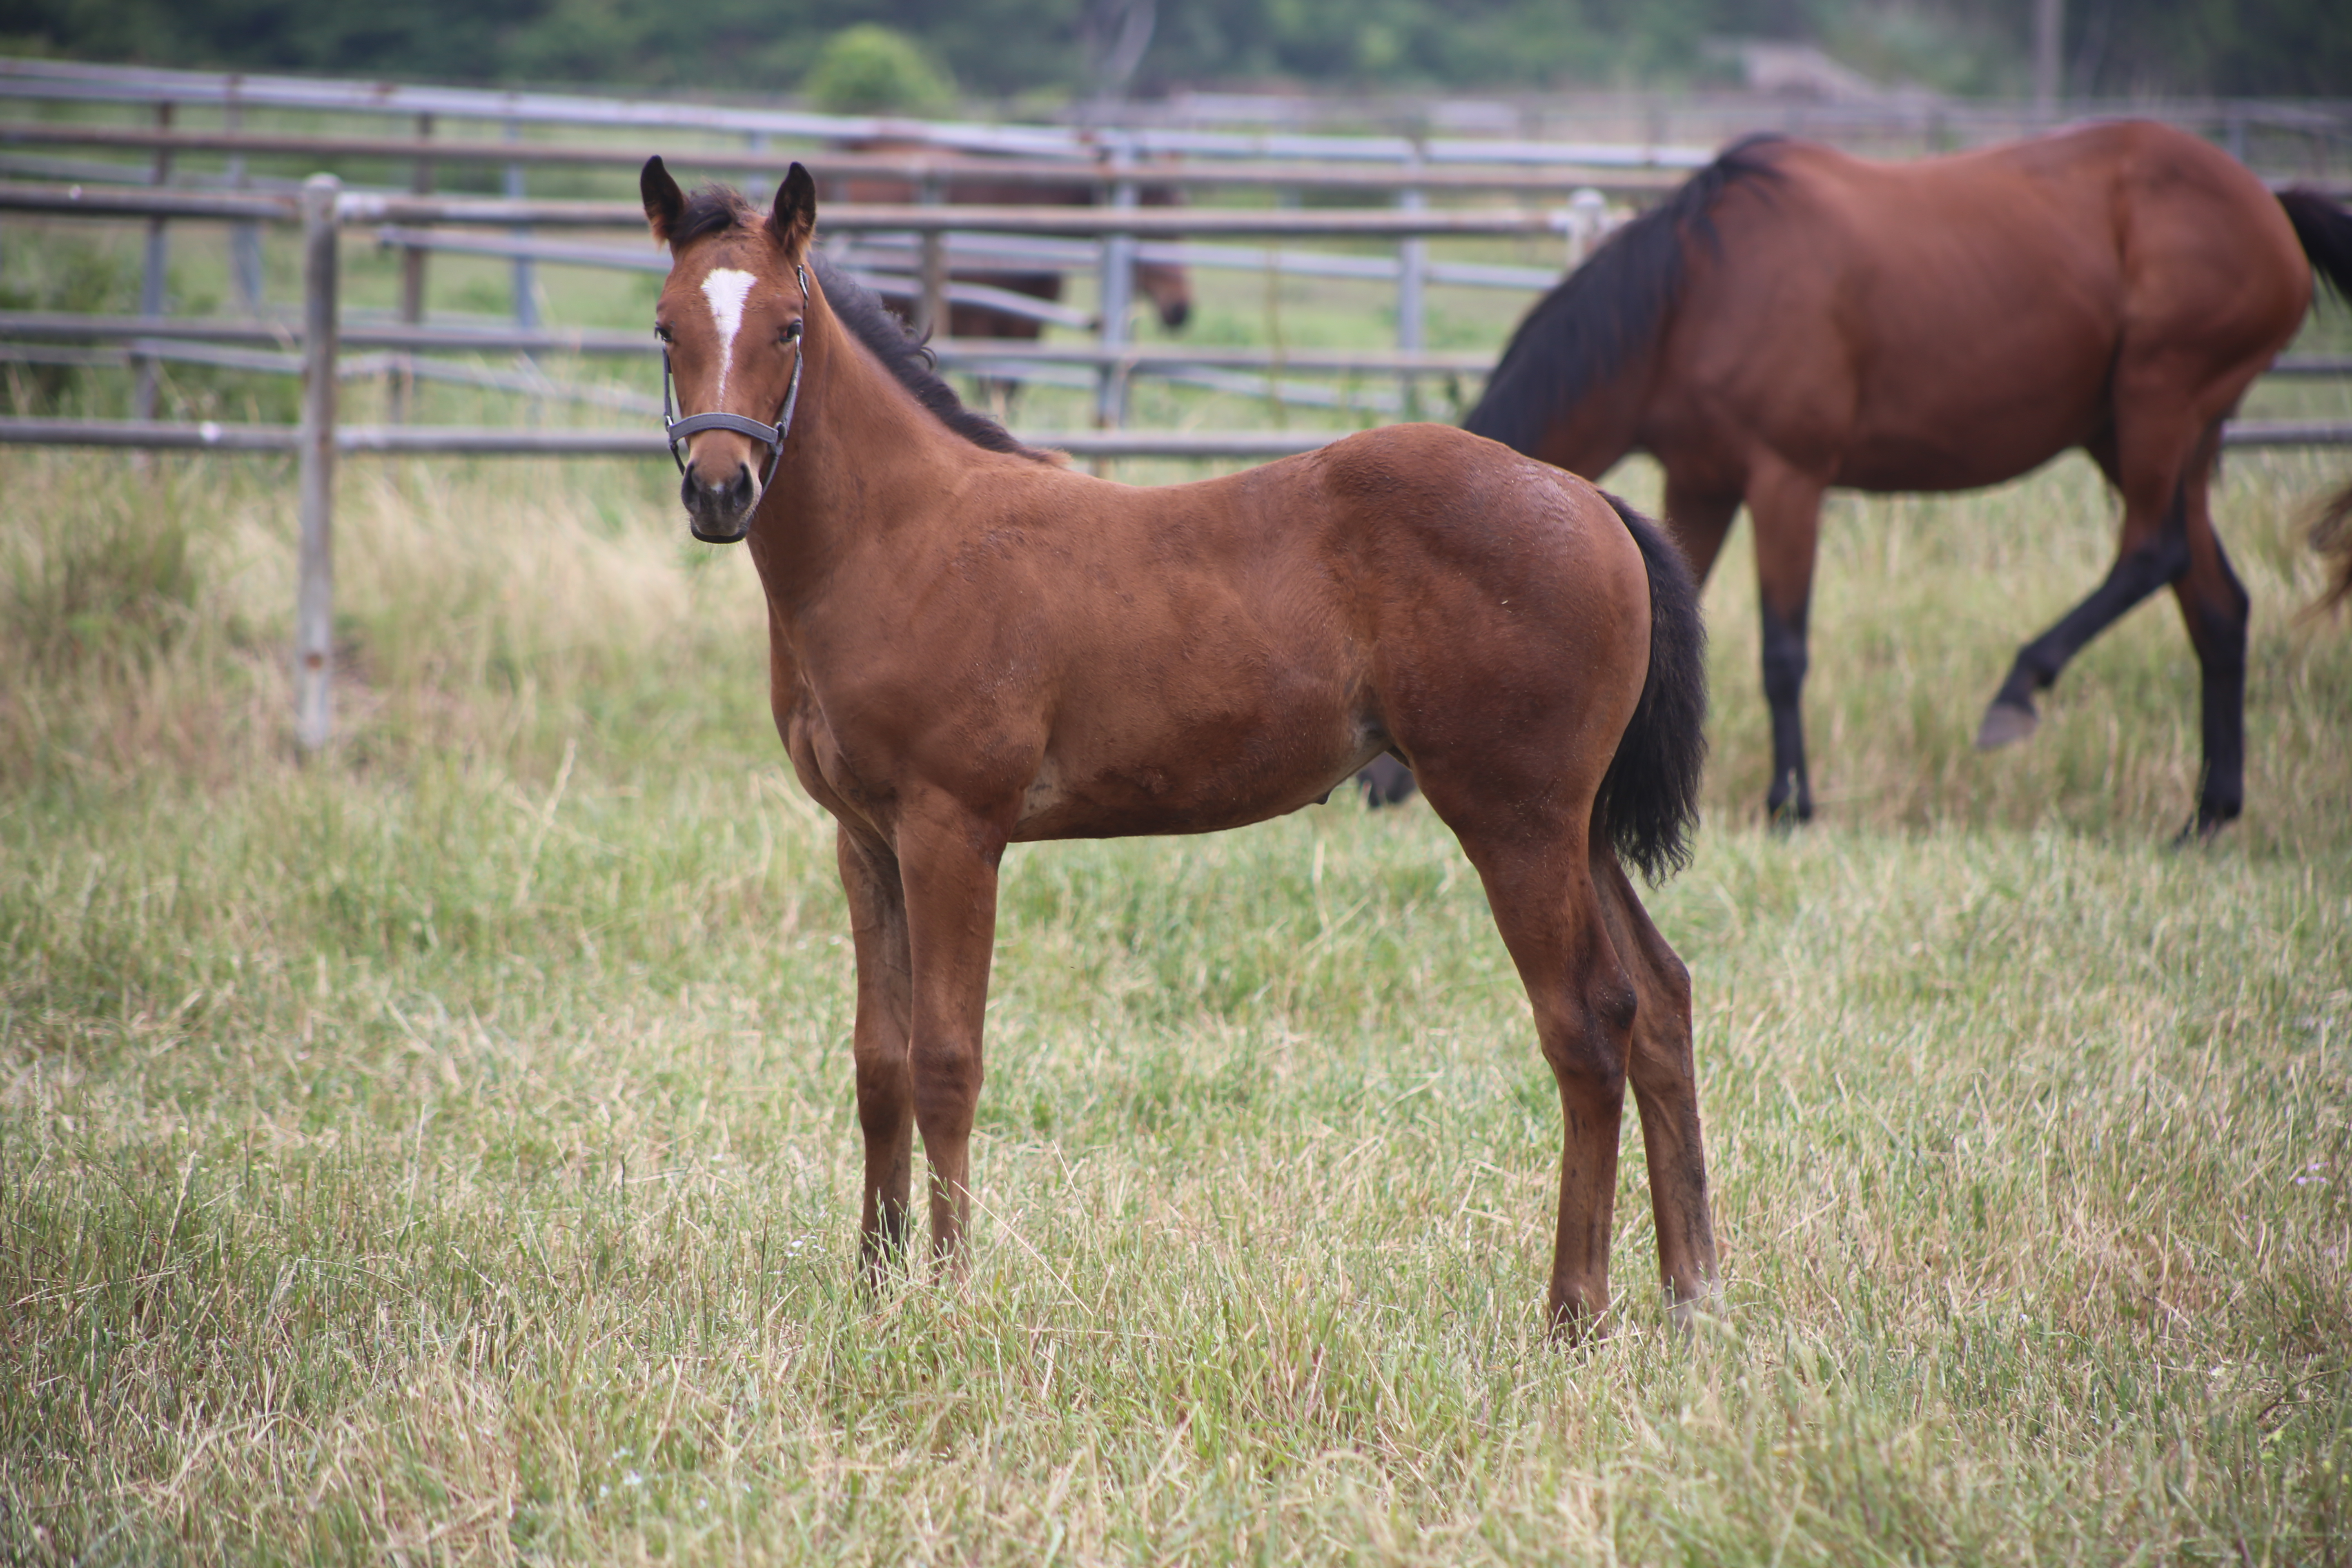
(446, 1151)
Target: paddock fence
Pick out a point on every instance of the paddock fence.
(1399, 193)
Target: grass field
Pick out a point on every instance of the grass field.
(446, 1152)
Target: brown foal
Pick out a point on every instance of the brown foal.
(971, 645)
(1794, 317)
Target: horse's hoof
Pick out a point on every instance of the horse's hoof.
(2005, 724)
(2203, 828)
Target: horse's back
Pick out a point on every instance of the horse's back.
(1951, 321)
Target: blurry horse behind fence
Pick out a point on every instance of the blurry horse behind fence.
(1167, 285)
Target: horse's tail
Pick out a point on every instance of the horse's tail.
(2324, 230)
(1649, 798)
(1608, 317)
(2331, 535)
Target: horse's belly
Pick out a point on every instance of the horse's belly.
(1213, 779)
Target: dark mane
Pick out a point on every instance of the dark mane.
(873, 324)
(1578, 336)
(716, 209)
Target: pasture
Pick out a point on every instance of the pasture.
(446, 1152)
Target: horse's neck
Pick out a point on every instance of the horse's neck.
(866, 471)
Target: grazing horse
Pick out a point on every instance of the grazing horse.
(1793, 317)
(971, 645)
(1166, 284)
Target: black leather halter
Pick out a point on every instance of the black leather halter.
(771, 435)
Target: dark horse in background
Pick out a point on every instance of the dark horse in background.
(1166, 284)
(1793, 317)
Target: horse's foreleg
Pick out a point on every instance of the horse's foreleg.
(949, 860)
(1699, 518)
(877, 924)
(1665, 1090)
(1786, 506)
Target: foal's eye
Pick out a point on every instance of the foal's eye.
(662, 332)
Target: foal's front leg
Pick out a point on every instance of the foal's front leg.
(878, 925)
(948, 858)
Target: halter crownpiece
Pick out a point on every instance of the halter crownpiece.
(771, 435)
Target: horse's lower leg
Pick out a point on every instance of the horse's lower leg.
(877, 920)
(2142, 568)
(2214, 604)
(1666, 1090)
(1541, 889)
(949, 862)
(1785, 505)
(1790, 796)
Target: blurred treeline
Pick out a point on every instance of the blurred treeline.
(1033, 49)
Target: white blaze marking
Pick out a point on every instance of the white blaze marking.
(726, 289)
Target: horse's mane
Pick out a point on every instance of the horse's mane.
(1589, 327)
(714, 209)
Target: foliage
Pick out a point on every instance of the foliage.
(1004, 46)
(874, 69)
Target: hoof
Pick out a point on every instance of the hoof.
(2005, 724)
(2203, 828)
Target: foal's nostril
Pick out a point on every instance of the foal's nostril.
(739, 493)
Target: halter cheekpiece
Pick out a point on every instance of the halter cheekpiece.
(772, 436)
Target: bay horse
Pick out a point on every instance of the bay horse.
(971, 645)
(1166, 284)
(1794, 317)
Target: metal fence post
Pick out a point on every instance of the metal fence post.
(1117, 292)
(244, 238)
(1588, 220)
(412, 282)
(931, 293)
(526, 283)
(314, 603)
(1413, 277)
(151, 278)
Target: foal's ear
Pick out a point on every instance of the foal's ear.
(664, 200)
(794, 215)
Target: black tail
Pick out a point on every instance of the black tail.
(2331, 535)
(1649, 798)
(2325, 231)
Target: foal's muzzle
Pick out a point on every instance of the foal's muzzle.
(718, 514)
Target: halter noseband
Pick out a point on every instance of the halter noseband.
(771, 435)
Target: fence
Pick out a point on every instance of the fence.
(910, 248)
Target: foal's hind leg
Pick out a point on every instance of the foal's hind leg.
(1539, 886)
(1665, 1089)
(2214, 604)
(877, 924)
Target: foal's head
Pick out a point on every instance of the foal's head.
(729, 320)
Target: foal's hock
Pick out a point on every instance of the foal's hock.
(971, 645)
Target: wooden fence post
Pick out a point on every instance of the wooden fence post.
(314, 603)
